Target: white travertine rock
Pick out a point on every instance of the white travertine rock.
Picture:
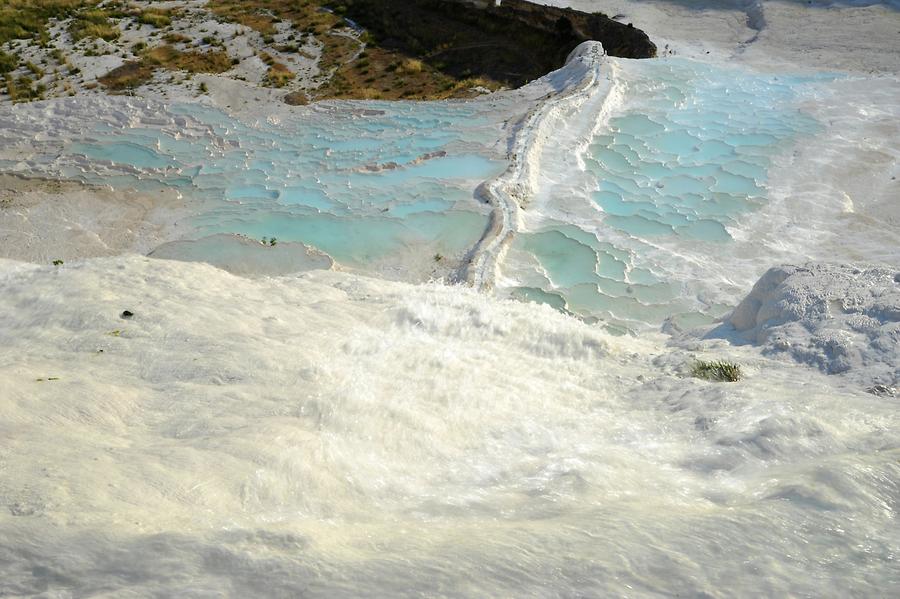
(838, 317)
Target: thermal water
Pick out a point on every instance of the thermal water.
(625, 228)
(374, 186)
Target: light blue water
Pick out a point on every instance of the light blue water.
(678, 167)
(361, 185)
(677, 170)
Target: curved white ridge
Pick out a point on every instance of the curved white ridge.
(510, 190)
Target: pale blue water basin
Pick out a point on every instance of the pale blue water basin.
(129, 153)
(678, 166)
(669, 178)
(364, 182)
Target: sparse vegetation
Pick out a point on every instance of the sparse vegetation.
(136, 73)
(351, 66)
(128, 76)
(297, 98)
(278, 75)
(176, 38)
(27, 19)
(717, 371)
(35, 70)
(374, 73)
(94, 24)
(8, 62)
(249, 14)
(23, 89)
(411, 65)
(155, 17)
(216, 61)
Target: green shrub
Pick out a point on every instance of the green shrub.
(717, 371)
(8, 62)
(35, 70)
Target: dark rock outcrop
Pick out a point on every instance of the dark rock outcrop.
(512, 43)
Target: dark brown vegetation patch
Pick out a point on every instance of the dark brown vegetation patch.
(136, 73)
(128, 76)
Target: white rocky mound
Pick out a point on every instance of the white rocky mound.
(841, 318)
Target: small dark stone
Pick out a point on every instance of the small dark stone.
(127, 314)
(882, 391)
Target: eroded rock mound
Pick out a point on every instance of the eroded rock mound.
(838, 317)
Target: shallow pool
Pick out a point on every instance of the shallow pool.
(620, 230)
(369, 184)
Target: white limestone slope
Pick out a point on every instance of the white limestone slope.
(329, 435)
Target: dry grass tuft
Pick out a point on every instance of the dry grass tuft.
(94, 24)
(128, 76)
(411, 65)
(297, 98)
(278, 75)
(243, 13)
(216, 61)
(136, 73)
(156, 17)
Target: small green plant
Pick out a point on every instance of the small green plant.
(717, 371)
(272, 242)
(58, 263)
(8, 62)
(438, 257)
(203, 88)
(35, 70)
